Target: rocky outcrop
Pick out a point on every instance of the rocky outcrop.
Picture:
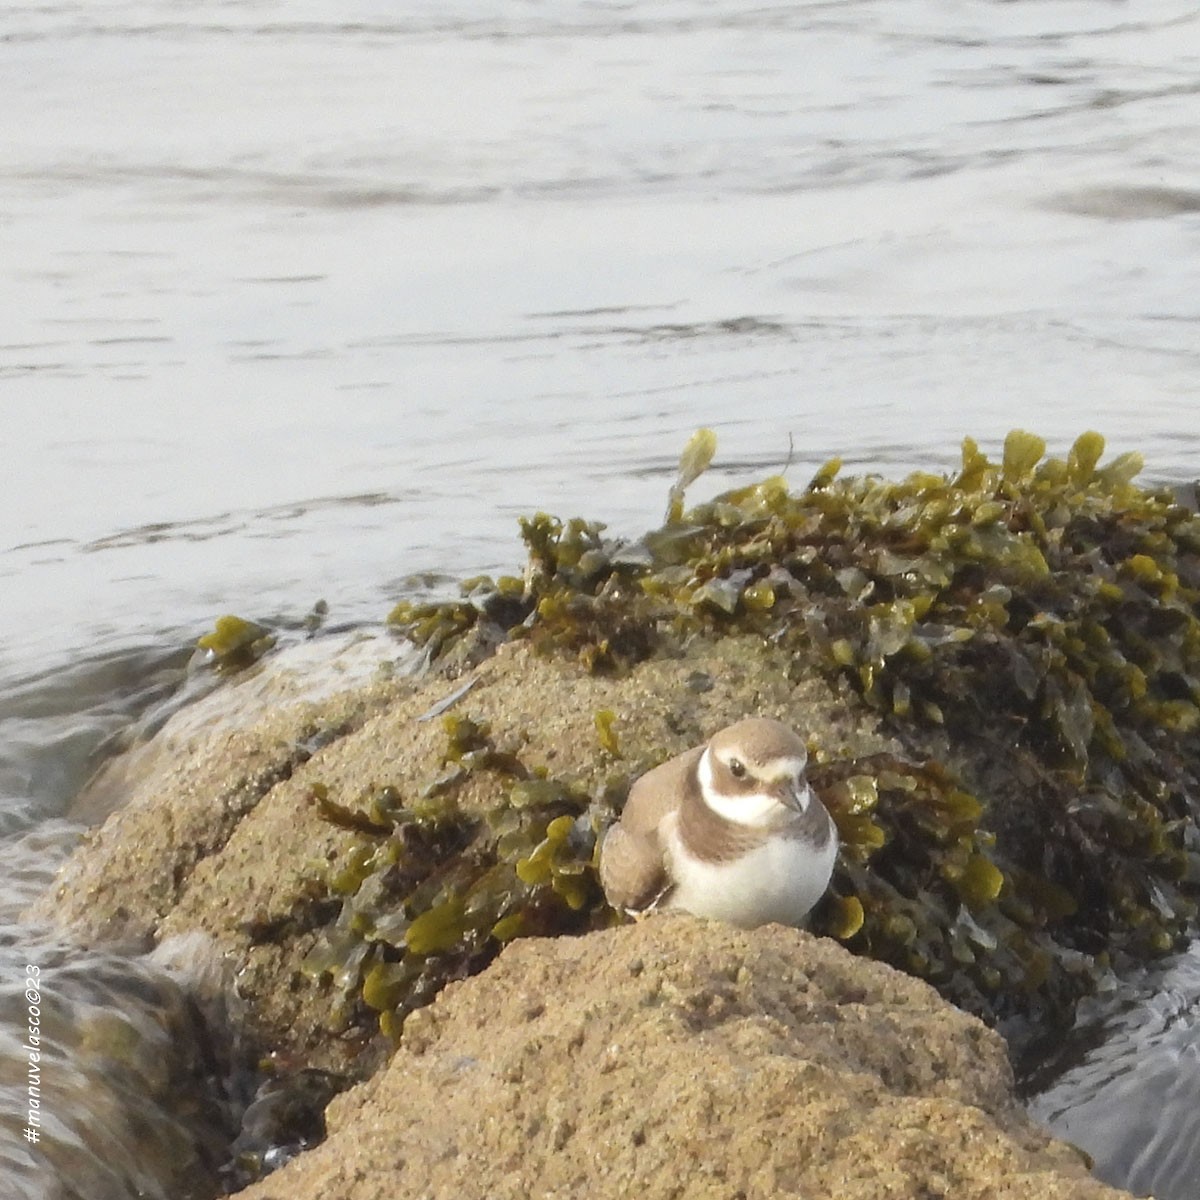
(996, 675)
(220, 833)
(684, 1058)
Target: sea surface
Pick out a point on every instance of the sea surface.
(309, 302)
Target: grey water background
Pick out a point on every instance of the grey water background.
(305, 301)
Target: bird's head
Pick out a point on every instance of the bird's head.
(753, 773)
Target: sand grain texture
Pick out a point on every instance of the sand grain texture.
(682, 1058)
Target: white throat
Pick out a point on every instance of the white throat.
(756, 810)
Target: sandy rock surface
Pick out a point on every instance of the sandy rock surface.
(219, 833)
(682, 1058)
(675, 1058)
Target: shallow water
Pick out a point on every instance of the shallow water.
(298, 306)
(111, 1069)
(301, 307)
(1129, 1091)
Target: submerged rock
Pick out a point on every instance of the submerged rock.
(682, 1058)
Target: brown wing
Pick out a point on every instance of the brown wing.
(632, 871)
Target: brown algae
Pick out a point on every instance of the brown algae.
(1028, 631)
(430, 893)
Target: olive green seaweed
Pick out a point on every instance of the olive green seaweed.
(235, 643)
(1028, 632)
(430, 893)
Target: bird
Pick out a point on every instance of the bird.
(728, 830)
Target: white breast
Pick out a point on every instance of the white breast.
(779, 881)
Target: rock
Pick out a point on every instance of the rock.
(680, 1057)
(183, 795)
(220, 832)
(301, 676)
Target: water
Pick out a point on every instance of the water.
(1129, 1088)
(122, 1072)
(301, 306)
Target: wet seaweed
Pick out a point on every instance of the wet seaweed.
(430, 893)
(1027, 629)
(233, 644)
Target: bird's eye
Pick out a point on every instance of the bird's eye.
(737, 768)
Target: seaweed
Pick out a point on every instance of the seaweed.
(1027, 630)
(234, 644)
(430, 893)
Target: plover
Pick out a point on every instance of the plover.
(728, 830)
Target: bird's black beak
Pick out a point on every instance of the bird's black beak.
(796, 795)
